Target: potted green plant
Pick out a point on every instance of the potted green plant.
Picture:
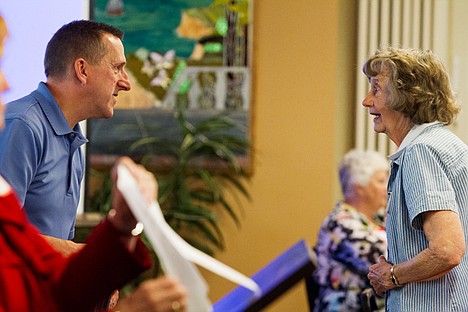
(192, 195)
(204, 179)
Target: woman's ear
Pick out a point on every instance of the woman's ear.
(359, 190)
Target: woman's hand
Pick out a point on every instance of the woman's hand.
(379, 276)
(120, 216)
(162, 294)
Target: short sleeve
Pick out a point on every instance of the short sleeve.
(426, 183)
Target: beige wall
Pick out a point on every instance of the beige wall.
(303, 71)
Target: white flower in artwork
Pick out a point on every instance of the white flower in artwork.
(158, 64)
(142, 54)
(165, 61)
(148, 68)
(161, 79)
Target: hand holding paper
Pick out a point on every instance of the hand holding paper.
(176, 255)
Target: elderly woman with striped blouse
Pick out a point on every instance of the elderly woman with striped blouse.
(412, 102)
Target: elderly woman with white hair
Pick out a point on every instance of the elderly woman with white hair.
(352, 237)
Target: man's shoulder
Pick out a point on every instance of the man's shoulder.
(26, 109)
(23, 108)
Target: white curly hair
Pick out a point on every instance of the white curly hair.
(357, 167)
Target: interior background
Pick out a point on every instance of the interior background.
(304, 66)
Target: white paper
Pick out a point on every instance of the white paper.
(176, 255)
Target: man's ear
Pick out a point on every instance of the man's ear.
(80, 67)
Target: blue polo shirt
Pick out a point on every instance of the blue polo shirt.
(41, 158)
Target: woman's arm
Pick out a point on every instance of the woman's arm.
(444, 233)
(446, 248)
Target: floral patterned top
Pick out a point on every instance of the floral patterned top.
(348, 243)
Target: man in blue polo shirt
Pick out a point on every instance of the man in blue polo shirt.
(40, 154)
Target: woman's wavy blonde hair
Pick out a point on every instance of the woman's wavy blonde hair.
(418, 85)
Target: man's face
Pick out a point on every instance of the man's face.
(108, 78)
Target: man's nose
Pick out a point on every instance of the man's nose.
(124, 83)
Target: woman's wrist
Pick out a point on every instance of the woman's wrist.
(394, 277)
(132, 230)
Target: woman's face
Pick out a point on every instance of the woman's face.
(3, 86)
(376, 191)
(394, 124)
(3, 82)
(2, 114)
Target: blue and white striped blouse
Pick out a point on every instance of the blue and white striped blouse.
(429, 172)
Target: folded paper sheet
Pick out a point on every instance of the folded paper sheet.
(177, 256)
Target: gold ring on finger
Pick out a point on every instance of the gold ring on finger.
(175, 306)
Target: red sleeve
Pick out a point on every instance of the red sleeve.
(102, 266)
(28, 263)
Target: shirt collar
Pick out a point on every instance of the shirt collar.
(52, 110)
(412, 134)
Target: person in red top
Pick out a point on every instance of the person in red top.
(36, 277)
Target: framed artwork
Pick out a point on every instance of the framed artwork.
(189, 57)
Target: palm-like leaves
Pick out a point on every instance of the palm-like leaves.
(190, 194)
(206, 179)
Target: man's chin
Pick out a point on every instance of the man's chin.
(109, 114)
